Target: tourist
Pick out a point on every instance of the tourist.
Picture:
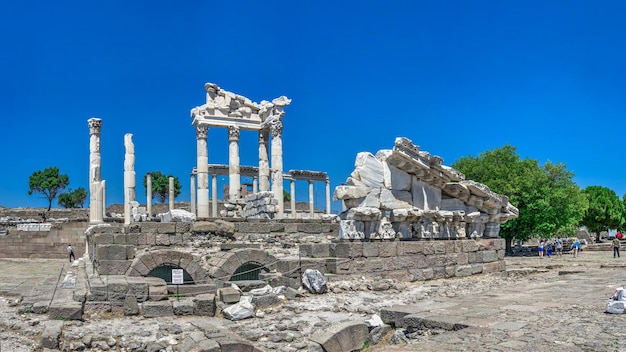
(575, 247)
(619, 235)
(70, 250)
(559, 246)
(615, 244)
(540, 244)
(549, 248)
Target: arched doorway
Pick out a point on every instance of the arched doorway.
(248, 271)
(164, 271)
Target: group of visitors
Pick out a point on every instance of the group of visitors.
(549, 246)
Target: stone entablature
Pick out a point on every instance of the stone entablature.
(407, 193)
(224, 108)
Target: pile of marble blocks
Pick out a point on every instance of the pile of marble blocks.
(260, 205)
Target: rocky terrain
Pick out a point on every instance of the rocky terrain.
(552, 304)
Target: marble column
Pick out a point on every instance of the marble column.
(149, 194)
(96, 210)
(264, 166)
(214, 195)
(234, 178)
(129, 177)
(255, 184)
(276, 128)
(292, 194)
(311, 199)
(103, 190)
(203, 170)
(171, 193)
(327, 196)
(192, 186)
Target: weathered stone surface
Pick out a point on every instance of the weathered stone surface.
(111, 252)
(395, 314)
(228, 295)
(344, 336)
(347, 249)
(157, 309)
(315, 250)
(130, 305)
(51, 334)
(182, 306)
(113, 267)
(40, 307)
(314, 281)
(267, 300)
(204, 305)
(65, 310)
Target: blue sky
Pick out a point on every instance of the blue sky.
(456, 77)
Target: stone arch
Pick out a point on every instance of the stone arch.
(143, 264)
(224, 264)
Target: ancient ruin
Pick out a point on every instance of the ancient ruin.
(409, 194)
(407, 217)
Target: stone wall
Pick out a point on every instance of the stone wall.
(408, 260)
(45, 244)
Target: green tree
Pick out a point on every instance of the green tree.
(161, 186)
(606, 211)
(48, 182)
(548, 200)
(73, 199)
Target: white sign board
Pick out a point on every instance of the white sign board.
(177, 276)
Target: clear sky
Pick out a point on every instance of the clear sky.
(456, 77)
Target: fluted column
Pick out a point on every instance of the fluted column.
(234, 179)
(149, 194)
(276, 128)
(292, 194)
(264, 166)
(327, 196)
(214, 194)
(171, 193)
(192, 187)
(129, 177)
(96, 211)
(203, 171)
(311, 199)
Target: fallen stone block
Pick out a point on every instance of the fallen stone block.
(51, 334)
(40, 307)
(183, 307)
(395, 314)
(157, 309)
(228, 295)
(66, 310)
(343, 336)
(204, 305)
(130, 305)
(267, 300)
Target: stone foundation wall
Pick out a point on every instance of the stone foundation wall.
(45, 244)
(407, 260)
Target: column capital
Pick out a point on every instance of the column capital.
(276, 127)
(202, 131)
(95, 125)
(233, 133)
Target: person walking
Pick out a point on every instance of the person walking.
(70, 251)
(540, 245)
(615, 244)
(549, 248)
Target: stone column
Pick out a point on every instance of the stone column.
(276, 128)
(203, 170)
(311, 199)
(264, 166)
(234, 179)
(255, 184)
(103, 190)
(327, 196)
(149, 194)
(96, 210)
(129, 177)
(214, 193)
(172, 193)
(292, 193)
(192, 186)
